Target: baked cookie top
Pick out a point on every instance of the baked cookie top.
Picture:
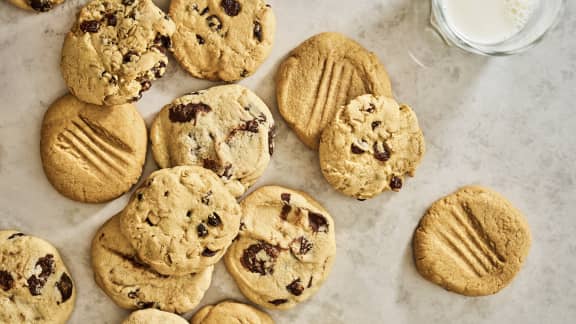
(153, 316)
(132, 284)
(36, 5)
(230, 312)
(35, 286)
(181, 220)
(92, 153)
(321, 75)
(285, 248)
(369, 146)
(226, 129)
(223, 40)
(472, 242)
(115, 49)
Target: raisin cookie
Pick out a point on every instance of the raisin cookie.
(35, 286)
(223, 40)
(285, 248)
(181, 220)
(36, 5)
(115, 50)
(226, 129)
(153, 316)
(472, 242)
(131, 284)
(92, 153)
(369, 146)
(320, 76)
(230, 312)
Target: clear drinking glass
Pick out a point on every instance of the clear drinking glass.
(544, 17)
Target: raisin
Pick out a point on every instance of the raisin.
(46, 263)
(208, 253)
(255, 264)
(111, 19)
(395, 183)
(127, 58)
(317, 222)
(381, 155)
(295, 287)
(356, 150)
(376, 124)
(65, 287)
(6, 280)
(200, 40)
(90, 26)
(202, 231)
(214, 220)
(41, 5)
(258, 31)
(15, 235)
(214, 23)
(231, 7)
(278, 301)
(188, 112)
(285, 197)
(35, 285)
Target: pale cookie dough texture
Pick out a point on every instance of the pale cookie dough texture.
(226, 129)
(230, 312)
(131, 284)
(285, 249)
(472, 242)
(115, 49)
(36, 5)
(181, 220)
(222, 40)
(153, 316)
(35, 286)
(91, 153)
(321, 75)
(369, 146)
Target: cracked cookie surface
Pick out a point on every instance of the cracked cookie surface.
(35, 286)
(115, 50)
(369, 146)
(153, 316)
(285, 248)
(92, 153)
(472, 242)
(230, 312)
(226, 129)
(36, 5)
(131, 284)
(181, 220)
(222, 40)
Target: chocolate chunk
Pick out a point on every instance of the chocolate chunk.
(258, 31)
(15, 235)
(214, 23)
(271, 135)
(317, 222)
(231, 7)
(138, 97)
(211, 165)
(157, 70)
(395, 183)
(127, 2)
(206, 198)
(244, 73)
(295, 287)
(204, 11)
(163, 41)
(188, 112)
(127, 58)
(214, 219)
(356, 149)
(376, 124)
(111, 19)
(208, 253)
(90, 26)
(145, 304)
(35, 285)
(65, 287)
(200, 40)
(134, 293)
(301, 246)
(278, 301)
(310, 282)
(6, 280)
(285, 197)
(250, 126)
(256, 264)
(202, 231)
(227, 172)
(145, 85)
(371, 108)
(40, 5)
(285, 211)
(189, 213)
(149, 222)
(46, 263)
(381, 155)
(140, 196)
(166, 193)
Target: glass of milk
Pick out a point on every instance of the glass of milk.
(494, 27)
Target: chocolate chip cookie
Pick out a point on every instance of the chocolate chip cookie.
(321, 75)
(181, 220)
(369, 146)
(36, 5)
(132, 284)
(472, 242)
(115, 50)
(153, 316)
(230, 312)
(35, 286)
(285, 248)
(226, 129)
(223, 40)
(92, 153)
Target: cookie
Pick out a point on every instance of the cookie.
(35, 286)
(132, 284)
(321, 75)
(369, 146)
(91, 153)
(181, 220)
(285, 248)
(36, 5)
(115, 50)
(230, 312)
(472, 242)
(153, 316)
(222, 40)
(227, 129)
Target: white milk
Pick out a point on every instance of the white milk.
(488, 21)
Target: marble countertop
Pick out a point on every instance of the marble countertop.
(507, 123)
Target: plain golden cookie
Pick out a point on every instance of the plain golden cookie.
(472, 242)
(370, 146)
(230, 312)
(36, 5)
(153, 316)
(92, 153)
(321, 75)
